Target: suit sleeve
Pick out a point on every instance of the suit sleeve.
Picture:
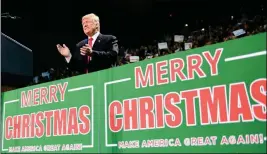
(112, 52)
(76, 61)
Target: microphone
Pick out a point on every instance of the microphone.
(15, 17)
(7, 15)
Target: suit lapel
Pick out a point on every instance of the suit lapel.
(97, 42)
(85, 42)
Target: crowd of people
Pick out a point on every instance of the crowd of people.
(205, 36)
(200, 38)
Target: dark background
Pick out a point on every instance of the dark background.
(44, 23)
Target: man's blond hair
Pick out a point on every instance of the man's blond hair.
(95, 18)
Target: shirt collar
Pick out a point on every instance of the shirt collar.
(95, 36)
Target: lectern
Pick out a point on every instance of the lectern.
(16, 63)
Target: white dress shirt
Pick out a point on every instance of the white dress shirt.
(94, 39)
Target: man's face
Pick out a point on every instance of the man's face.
(89, 26)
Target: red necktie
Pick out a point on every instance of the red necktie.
(90, 43)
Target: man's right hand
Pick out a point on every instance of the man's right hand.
(63, 50)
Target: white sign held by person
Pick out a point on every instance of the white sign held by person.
(149, 57)
(178, 38)
(163, 45)
(187, 46)
(239, 32)
(134, 59)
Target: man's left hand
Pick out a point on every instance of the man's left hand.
(86, 50)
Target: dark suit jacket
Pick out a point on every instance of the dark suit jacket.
(105, 52)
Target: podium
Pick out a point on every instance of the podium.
(16, 63)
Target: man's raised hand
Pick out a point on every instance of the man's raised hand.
(63, 50)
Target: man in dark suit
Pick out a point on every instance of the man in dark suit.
(97, 52)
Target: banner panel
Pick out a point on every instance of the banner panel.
(209, 99)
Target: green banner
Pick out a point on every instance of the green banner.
(209, 99)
